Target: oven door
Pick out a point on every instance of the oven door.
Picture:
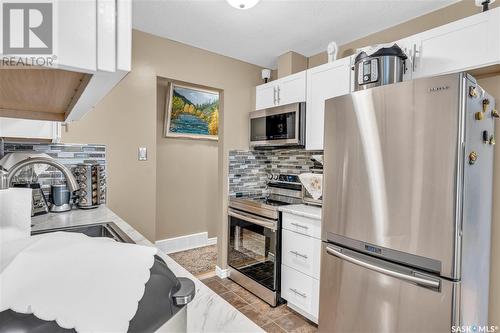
(279, 126)
(253, 247)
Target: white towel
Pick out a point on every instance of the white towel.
(313, 183)
(15, 214)
(89, 284)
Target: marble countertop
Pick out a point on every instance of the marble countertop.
(313, 212)
(207, 312)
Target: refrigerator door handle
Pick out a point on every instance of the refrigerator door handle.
(410, 278)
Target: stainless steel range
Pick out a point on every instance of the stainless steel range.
(254, 251)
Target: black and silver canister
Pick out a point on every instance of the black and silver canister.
(384, 66)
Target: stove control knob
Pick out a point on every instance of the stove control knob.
(270, 176)
(276, 177)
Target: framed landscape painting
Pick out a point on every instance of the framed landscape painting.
(192, 112)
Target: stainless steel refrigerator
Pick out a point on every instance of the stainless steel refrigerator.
(407, 207)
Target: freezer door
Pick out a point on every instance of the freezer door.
(359, 293)
(391, 157)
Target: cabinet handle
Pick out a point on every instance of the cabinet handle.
(274, 95)
(298, 292)
(279, 95)
(414, 57)
(299, 254)
(300, 226)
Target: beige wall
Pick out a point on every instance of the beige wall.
(439, 17)
(291, 63)
(178, 190)
(492, 84)
(124, 120)
(187, 181)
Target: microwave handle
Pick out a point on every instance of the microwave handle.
(270, 224)
(274, 95)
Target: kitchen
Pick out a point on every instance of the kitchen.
(180, 194)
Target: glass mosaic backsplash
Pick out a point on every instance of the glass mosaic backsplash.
(248, 169)
(67, 154)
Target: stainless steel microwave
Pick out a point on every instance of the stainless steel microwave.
(278, 127)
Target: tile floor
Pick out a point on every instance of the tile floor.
(201, 263)
(278, 319)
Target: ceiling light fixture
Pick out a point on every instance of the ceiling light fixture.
(242, 4)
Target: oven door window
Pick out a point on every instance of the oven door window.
(252, 251)
(280, 126)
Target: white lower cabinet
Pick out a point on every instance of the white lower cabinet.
(302, 225)
(301, 253)
(301, 291)
(300, 269)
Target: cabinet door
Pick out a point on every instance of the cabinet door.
(265, 96)
(301, 253)
(469, 43)
(292, 89)
(30, 129)
(323, 82)
(106, 35)
(75, 44)
(301, 291)
(124, 35)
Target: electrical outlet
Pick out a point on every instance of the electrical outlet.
(142, 154)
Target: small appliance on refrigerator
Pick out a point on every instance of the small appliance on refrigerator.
(407, 207)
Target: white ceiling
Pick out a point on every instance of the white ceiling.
(260, 34)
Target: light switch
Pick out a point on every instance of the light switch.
(142, 154)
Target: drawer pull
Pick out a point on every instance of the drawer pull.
(299, 254)
(298, 292)
(300, 226)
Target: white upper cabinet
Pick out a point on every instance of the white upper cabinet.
(265, 96)
(31, 129)
(292, 89)
(91, 53)
(287, 90)
(469, 43)
(75, 35)
(324, 82)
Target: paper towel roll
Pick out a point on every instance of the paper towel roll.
(15, 214)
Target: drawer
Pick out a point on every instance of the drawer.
(300, 290)
(303, 225)
(301, 252)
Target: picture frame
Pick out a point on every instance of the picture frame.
(191, 112)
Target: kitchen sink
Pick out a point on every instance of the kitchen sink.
(106, 229)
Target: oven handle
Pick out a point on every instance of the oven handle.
(270, 224)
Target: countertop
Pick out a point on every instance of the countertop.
(313, 212)
(207, 312)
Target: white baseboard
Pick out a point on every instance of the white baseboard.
(187, 242)
(222, 273)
